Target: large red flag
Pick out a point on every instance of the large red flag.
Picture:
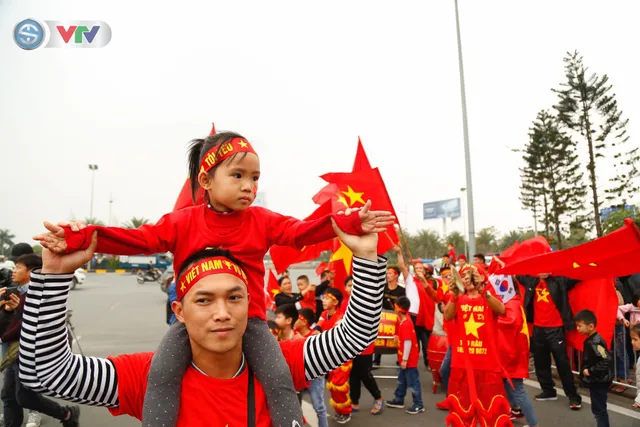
(354, 189)
(340, 273)
(614, 255)
(600, 297)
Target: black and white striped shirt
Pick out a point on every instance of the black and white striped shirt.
(48, 366)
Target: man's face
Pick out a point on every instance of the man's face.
(21, 274)
(282, 321)
(286, 286)
(448, 278)
(478, 260)
(462, 262)
(300, 324)
(445, 260)
(215, 314)
(391, 275)
(302, 284)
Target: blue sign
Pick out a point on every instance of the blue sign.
(607, 212)
(441, 209)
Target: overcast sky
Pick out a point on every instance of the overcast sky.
(301, 80)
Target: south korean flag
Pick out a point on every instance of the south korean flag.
(504, 287)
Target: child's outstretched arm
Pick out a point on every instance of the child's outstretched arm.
(287, 231)
(147, 239)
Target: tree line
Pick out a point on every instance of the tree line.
(579, 171)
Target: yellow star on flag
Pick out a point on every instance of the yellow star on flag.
(471, 326)
(543, 295)
(353, 196)
(525, 327)
(182, 286)
(345, 255)
(243, 144)
(342, 200)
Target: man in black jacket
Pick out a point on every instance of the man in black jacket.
(546, 304)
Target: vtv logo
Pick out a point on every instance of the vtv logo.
(77, 32)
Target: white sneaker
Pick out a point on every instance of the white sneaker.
(1, 420)
(34, 419)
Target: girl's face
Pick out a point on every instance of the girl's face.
(635, 341)
(233, 185)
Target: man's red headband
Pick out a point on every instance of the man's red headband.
(207, 267)
(221, 152)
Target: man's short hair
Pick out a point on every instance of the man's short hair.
(587, 317)
(289, 311)
(307, 314)
(206, 253)
(324, 274)
(478, 255)
(31, 261)
(303, 277)
(335, 293)
(445, 256)
(404, 303)
(19, 250)
(394, 268)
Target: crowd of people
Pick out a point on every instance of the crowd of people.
(222, 363)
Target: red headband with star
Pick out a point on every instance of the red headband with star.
(221, 152)
(207, 267)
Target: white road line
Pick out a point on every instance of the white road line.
(114, 306)
(309, 414)
(585, 399)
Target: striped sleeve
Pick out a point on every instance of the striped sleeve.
(359, 327)
(47, 365)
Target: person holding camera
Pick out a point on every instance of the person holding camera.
(15, 396)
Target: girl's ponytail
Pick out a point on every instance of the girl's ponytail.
(195, 148)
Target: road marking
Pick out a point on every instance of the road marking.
(309, 414)
(585, 399)
(101, 271)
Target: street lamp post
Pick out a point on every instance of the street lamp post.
(93, 169)
(465, 129)
(464, 222)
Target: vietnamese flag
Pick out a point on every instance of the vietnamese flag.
(341, 270)
(321, 268)
(614, 255)
(600, 297)
(352, 190)
(273, 287)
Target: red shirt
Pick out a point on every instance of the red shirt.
(546, 314)
(203, 400)
(247, 234)
(474, 335)
(326, 321)
(407, 332)
(452, 256)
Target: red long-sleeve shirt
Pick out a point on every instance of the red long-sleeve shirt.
(247, 234)
(13, 329)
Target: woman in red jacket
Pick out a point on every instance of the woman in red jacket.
(513, 339)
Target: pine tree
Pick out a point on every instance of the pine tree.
(533, 191)
(587, 107)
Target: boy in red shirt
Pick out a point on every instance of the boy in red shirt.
(286, 317)
(408, 356)
(308, 293)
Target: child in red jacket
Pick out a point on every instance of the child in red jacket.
(227, 168)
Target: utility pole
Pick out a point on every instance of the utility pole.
(93, 169)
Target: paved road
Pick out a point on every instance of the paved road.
(114, 314)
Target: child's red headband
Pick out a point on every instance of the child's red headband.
(220, 153)
(207, 267)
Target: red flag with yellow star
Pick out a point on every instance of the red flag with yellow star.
(353, 189)
(616, 254)
(273, 288)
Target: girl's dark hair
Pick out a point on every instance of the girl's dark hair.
(197, 150)
(634, 298)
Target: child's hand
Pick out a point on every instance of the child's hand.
(586, 373)
(626, 323)
(54, 239)
(374, 221)
(403, 365)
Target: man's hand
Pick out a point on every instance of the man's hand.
(421, 277)
(10, 304)
(374, 221)
(55, 263)
(365, 246)
(586, 373)
(403, 365)
(397, 249)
